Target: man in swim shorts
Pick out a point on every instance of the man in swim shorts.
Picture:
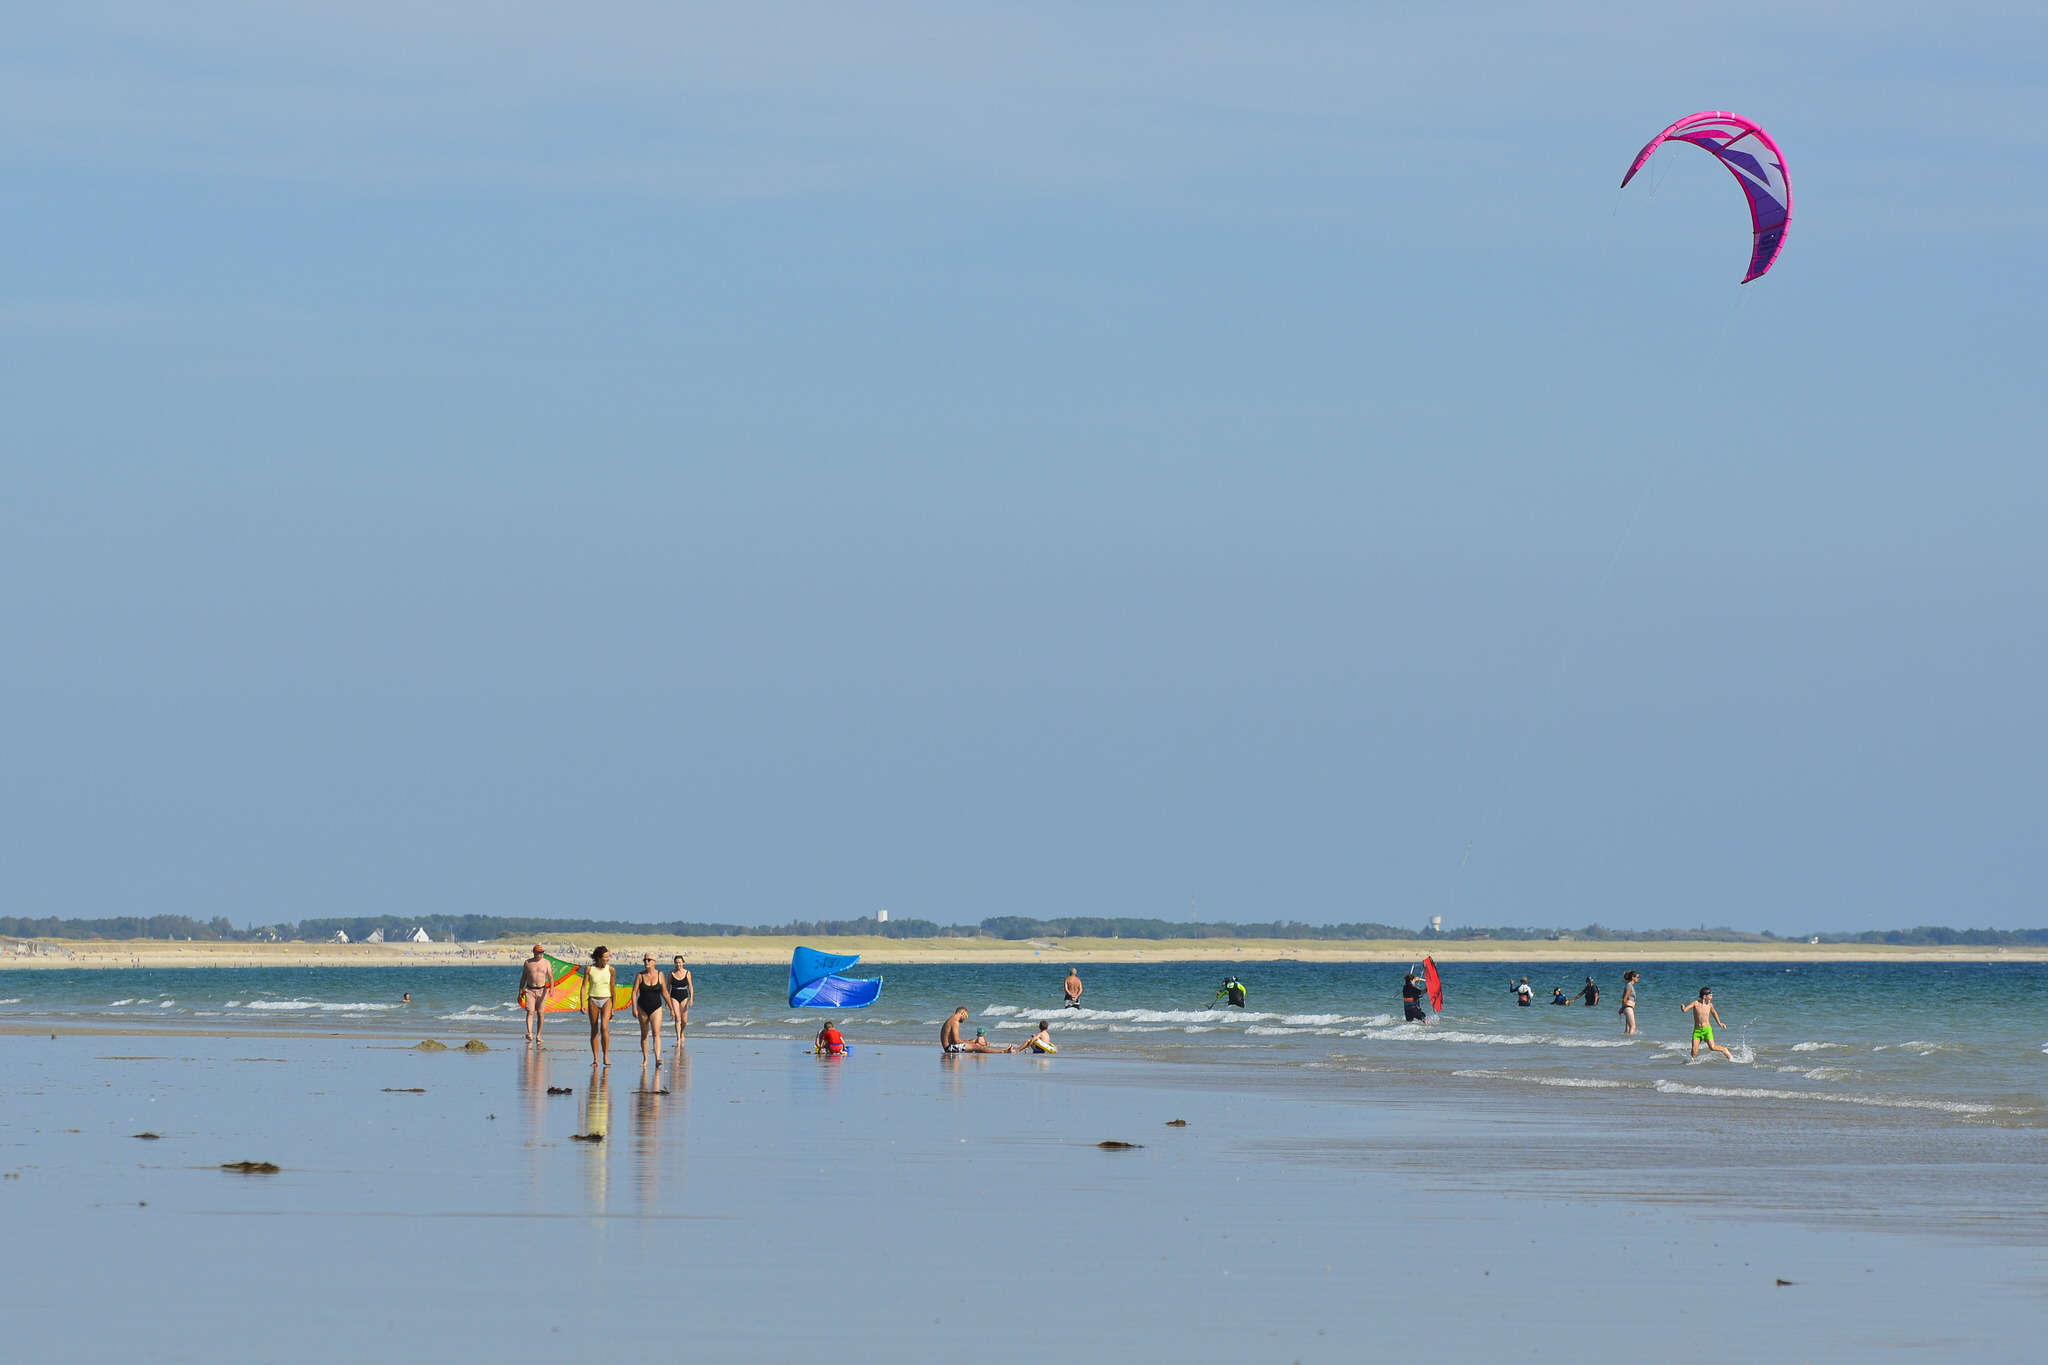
(1704, 1017)
(1073, 988)
(949, 1036)
(536, 982)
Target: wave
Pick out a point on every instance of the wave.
(114, 1004)
(1568, 1082)
(16, 1000)
(1814, 1047)
(1872, 1101)
(324, 1006)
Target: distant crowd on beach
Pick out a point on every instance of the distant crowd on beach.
(656, 995)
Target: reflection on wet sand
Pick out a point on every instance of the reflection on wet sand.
(597, 1123)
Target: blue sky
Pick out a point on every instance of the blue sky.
(743, 463)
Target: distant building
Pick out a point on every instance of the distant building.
(418, 936)
(881, 916)
(340, 936)
(376, 936)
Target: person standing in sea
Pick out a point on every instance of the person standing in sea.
(1591, 994)
(1704, 1017)
(1073, 988)
(536, 983)
(597, 1003)
(1628, 1001)
(1411, 1000)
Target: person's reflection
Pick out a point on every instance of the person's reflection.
(597, 1123)
(647, 1097)
(533, 1083)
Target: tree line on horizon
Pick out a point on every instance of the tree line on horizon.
(486, 928)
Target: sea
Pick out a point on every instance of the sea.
(1967, 1040)
(1306, 1180)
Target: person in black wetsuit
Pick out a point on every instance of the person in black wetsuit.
(650, 1003)
(1411, 1000)
(1232, 992)
(1591, 994)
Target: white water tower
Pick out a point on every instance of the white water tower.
(881, 916)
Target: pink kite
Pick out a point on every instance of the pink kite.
(1757, 165)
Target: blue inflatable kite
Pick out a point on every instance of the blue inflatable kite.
(812, 983)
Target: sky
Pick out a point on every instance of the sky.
(1240, 461)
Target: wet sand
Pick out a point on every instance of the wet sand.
(894, 1204)
(897, 951)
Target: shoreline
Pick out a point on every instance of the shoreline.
(54, 954)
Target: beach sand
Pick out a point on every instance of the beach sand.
(886, 951)
(896, 1205)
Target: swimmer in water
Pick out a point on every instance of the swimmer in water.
(1704, 1017)
(1628, 1001)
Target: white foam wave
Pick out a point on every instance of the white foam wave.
(113, 1003)
(16, 1000)
(1596, 1042)
(323, 1006)
(1169, 1016)
(998, 1011)
(1567, 1082)
(1873, 1101)
(165, 1004)
(1814, 1047)
(1434, 1033)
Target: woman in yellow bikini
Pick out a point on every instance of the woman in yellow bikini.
(597, 1003)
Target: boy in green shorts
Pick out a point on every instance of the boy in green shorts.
(1704, 1017)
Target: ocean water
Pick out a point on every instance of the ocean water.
(1964, 1041)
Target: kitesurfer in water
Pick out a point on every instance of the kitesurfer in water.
(1411, 1000)
(1232, 992)
(1523, 995)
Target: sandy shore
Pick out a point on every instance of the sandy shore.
(62, 953)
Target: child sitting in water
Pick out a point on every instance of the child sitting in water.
(1040, 1041)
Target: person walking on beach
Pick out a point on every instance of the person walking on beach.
(650, 1006)
(1591, 994)
(1411, 1000)
(949, 1036)
(597, 1003)
(1704, 1017)
(679, 991)
(1073, 989)
(1628, 1001)
(536, 983)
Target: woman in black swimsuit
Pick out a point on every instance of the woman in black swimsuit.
(679, 995)
(650, 1002)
